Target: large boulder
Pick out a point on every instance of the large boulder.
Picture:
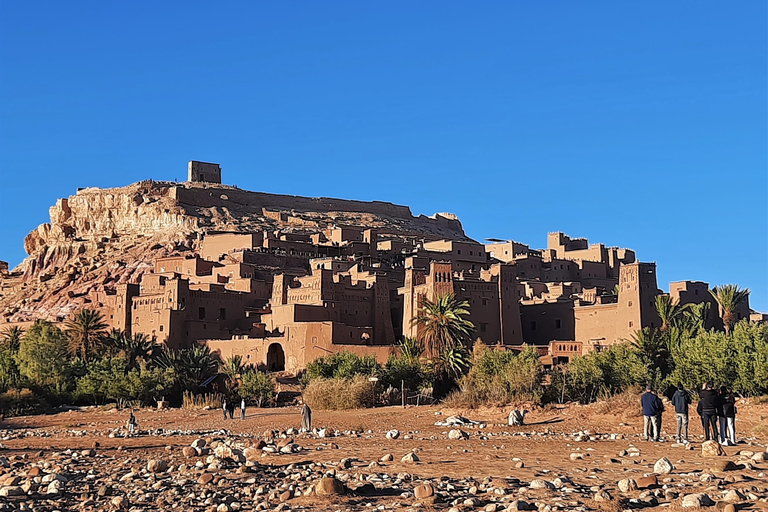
(329, 486)
(712, 449)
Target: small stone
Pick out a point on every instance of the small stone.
(456, 434)
(697, 500)
(157, 466)
(711, 449)
(387, 458)
(627, 485)
(393, 434)
(410, 457)
(423, 491)
(205, 478)
(189, 451)
(663, 466)
(602, 496)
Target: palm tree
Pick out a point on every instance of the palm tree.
(729, 297)
(11, 336)
(137, 348)
(443, 323)
(652, 346)
(669, 312)
(411, 348)
(85, 329)
(233, 368)
(190, 365)
(696, 316)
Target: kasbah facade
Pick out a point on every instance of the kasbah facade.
(281, 300)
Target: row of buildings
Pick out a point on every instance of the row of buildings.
(281, 301)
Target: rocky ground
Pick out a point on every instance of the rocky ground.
(566, 458)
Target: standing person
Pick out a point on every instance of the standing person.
(242, 409)
(721, 414)
(708, 401)
(659, 413)
(306, 418)
(132, 423)
(729, 412)
(224, 407)
(650, 401)
(231, 409)
(681, 400)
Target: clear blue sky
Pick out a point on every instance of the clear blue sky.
(638, 124)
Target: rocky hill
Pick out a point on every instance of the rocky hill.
(99, 238)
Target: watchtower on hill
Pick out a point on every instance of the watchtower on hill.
(205, 172)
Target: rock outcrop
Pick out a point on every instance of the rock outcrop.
(99, 238)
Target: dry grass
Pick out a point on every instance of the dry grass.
(339, 394)
(192, 401)
(761, 429)
(625, 404)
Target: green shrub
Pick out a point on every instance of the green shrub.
(399, 370)
(499, 377)
(256, 385)
(339, 394)
(43, 357)
(342, 365)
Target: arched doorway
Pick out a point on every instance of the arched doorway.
(275, 358)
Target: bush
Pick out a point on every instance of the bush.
(257, 386)
(20, 402)
(339, 394)
(499, 377)
(405, 370)
(108, 379)
(342, 365)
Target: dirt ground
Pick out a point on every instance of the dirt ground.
(544, 445)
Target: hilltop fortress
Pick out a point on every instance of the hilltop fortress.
(282, 279)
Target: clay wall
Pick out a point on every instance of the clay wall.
(544, 322)
(204, 172)
(217, 244)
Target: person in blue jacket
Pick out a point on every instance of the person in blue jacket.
(651, 410)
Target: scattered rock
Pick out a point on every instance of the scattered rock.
(329, 486)
(712, 449)
(410, 457)
(157, 466)
(663, 466)
(423, 491)
(393, 434)
(697, 500)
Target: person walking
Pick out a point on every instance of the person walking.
(729, 415)
(224, 407)
(242, 409)
(708, 399)
(650, 404)
(681, 400)
(306, 418)
(721, 414)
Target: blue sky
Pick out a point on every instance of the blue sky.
(638, 124)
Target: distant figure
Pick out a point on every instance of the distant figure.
(650, 403)
(224, 408)
(728, 420)
(132, 423)
(242, 409)
(517, 418)
(709, 401)
(306, 418)
(659, 414)
(231, 409)
(681, 400)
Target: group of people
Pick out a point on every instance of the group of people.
(717, 409)
(228, 408)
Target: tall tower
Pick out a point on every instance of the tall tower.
(637, 299)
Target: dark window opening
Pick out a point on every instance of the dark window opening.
(533, 326)
(201, 313)
(222, 314)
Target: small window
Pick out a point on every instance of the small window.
(533, 326)
(222, 314)
(459, 251)
(630, 324)
(629, 304)
(161, 328)
(201, 313)
(485, 302)
(483, 327)
(558, 323)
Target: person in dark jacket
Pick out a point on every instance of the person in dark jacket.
(708, 400)
(729, 415)
(681, 400)
(650, 403)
